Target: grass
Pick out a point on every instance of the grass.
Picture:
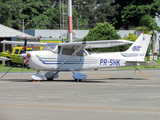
(4, 68)
(143, 67)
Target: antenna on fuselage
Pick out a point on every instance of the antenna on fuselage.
(70, 38)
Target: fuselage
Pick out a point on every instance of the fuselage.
(48, 61)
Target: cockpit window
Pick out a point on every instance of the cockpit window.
(52, 47)
(68, 51)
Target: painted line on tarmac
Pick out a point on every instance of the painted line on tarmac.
(151, 110)
(156, 85)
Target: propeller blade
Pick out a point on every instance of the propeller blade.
(24, 55)
(25, 44)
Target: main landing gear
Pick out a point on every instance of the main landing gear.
(78, 76)
(51, 75)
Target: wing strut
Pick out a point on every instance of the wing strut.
(141, 72)
(70, 57)
(80, 66)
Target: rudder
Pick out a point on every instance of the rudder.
(138, 49)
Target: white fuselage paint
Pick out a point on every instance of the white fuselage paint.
(49, 61)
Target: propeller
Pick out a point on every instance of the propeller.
(25, 44)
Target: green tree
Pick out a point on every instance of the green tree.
(104, 11)
(129, 12)
(10, 10)
(148, 24)
(35, 13)
(157, 2)
(102, 31)
(85, 9)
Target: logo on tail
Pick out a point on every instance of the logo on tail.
(136, 48)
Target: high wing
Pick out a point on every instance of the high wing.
(88, 44)
(22, 43)
(97, 44)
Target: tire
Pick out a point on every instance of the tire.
(49, 79)
(8, 63)
(77, 80)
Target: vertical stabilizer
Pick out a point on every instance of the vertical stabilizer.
(138, 49)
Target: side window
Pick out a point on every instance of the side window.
(68, 51)
(80, 53)
(16, 51)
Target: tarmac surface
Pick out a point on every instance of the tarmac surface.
(105, 95)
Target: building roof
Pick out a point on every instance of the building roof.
(9, 32)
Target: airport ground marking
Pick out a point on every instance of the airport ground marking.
(94, 108)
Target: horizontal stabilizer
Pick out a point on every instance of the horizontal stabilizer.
(144, 63)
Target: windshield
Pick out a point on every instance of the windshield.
(52, 47)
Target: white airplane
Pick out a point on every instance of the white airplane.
(73, 57)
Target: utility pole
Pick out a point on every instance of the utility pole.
(23, 25)
(159, 45)
(70, 38)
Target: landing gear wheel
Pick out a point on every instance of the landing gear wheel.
(77, 80)
(49, 79)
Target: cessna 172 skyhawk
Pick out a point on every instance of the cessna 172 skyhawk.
(73, 57)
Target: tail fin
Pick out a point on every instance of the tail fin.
(138, 49)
